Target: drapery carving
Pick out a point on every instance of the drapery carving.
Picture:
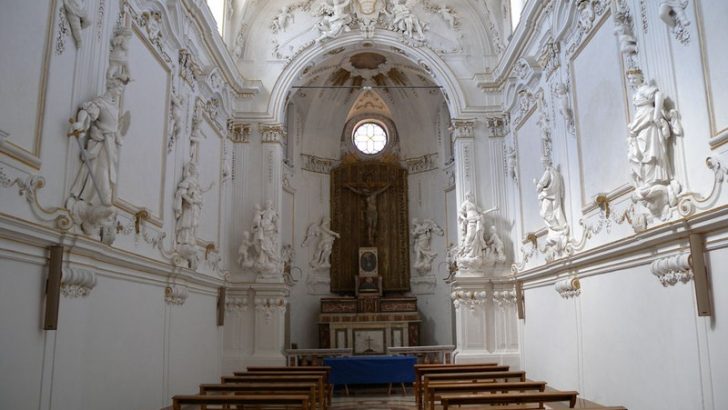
(352, 210)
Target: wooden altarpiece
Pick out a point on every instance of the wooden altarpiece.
(350, 182)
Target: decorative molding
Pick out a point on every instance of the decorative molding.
(548, 56)
(318, 283)
(673, 269)
(421, 164)
(269, 306)
(468, 298)
(176, 294)
(588, 11)
(462, 128)
(624, 31)
(503, 298)
(272, 133)
(28, 188)
(77, 282)
(239, 132)
(189, 69)
(236, 304)
(673, 13)
(318, 165)
(569, 287)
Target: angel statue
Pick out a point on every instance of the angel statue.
(422, 243)
(336, 19)
(405, 22)
(326, 237)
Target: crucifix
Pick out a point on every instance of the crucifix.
(370, 196)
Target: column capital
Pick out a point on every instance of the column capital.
(272, 133)
(462, 128)
(239, 131)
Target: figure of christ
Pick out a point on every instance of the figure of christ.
(370, 196)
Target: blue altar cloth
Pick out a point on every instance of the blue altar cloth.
(371, 369)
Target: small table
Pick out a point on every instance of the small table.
(371, 370)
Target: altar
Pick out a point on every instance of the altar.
(369, 325)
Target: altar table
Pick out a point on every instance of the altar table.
(371, 369)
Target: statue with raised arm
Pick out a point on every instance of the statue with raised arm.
(371, 217)
(336, 19)
(325, 244)
(422, 243)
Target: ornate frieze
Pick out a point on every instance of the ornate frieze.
(272, 133)
(239, 132)
(548, 56)
(673, 13)
(318, 165)
(421, 164)
(468, 298)
(271, 305)
(236, 303)
(503, 298)
(189, 69)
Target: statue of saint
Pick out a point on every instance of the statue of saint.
(326, 237)
(371, 209)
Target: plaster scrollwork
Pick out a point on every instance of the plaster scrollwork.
(673, 13)
(176, 295)
(268, 306)
(587, 12)
(569, 287)
(77, 282)
(673, 269)
(318, 165)
(651, 137)
(422, 244)
(326, 237)
(548, 57)
(99, 128)
(152, 23)
(28, 188)
(503, 298)
(189, 69)
(468, 298)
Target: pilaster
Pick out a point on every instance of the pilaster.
(270, 304)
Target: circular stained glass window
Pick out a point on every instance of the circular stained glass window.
(370, 138)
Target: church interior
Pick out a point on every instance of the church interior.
(193, 188)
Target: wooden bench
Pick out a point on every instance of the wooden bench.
(308, 388)
(262, 400)
(423, 369)
(286, 377)
(459, 399)
(298, 369)
(435, 389)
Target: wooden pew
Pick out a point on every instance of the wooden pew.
(435, 389)
(459, 399)
(325, 371)
(423, 369)
(262, 400)
(470, 376)
(308, 388)
(286, 377)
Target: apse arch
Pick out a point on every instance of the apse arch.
(382, 41)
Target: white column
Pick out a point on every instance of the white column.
(270, 304)
(463, 136)
(272, 143)
(471, 323)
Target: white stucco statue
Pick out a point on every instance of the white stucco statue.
(650, 141)
(551, 208)
(246, 251)
(176, 112)
(100, 129)
(422, 243)
(471, 223)
(494, 248)
(322, 231)
(77, 17)
(119, 56)
(585, 12)
(336, 19)
(265, 240)
(561, 92)
(280, 22)
(187, 209)
(405, 22)
(447, 15)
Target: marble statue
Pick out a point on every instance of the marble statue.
(75, 11)
(325, 244)
(651, 134)
(561, 92)
(672, 12)
(99, 129)
(119, 56)
(371, 216)
(471, 224)
(280, 22)
(494, 248)
(245, 256)
(335, 20)
(405, 22)
(187, 209)
(422, 243)
(176, 110)
(551, 208)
